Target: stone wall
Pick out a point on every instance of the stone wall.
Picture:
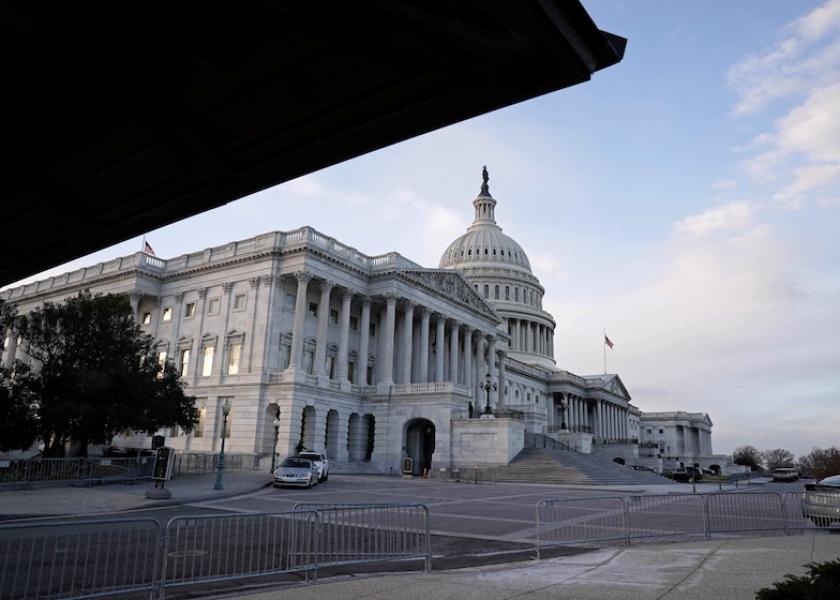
(486, 442)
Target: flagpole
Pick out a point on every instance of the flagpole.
(604, 342)
(143, 244)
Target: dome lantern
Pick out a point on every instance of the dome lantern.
(485, 204)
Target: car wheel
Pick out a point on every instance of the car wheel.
(327, 476)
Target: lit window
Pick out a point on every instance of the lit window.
(333, 317)
(313, 309)
(189, 310)
(167, 314)
(239, 302)
(285, 354)
(207, 364)
(289, 302)
(162, 358)
(308, 361)
(213, 306)
(234, 352)
(147, 318)
(198, 428)
(354, 323)
(185, 362)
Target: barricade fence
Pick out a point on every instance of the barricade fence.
(111, 557)
(17, 472)
(600, 519)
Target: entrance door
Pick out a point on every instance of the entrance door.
(420, 444)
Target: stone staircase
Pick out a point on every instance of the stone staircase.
(547, 465)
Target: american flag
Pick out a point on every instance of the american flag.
(147, 248)
(607, 341)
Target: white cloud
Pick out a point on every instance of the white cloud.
(307, 186)
(736, 215)
(545, 264)
(725, 184)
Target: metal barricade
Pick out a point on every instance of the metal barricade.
(746, 512)
(64, 560)
(208, 548)
(356, 533)
(666, 515)
(812, 510)
(92, 469)
(580, 520)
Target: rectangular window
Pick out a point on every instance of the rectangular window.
(162, 358)
(189, 310)
(507, 292)
(207, 365)
(354, 323)
(330, 367)
(185, 362)
(198, 428)
(285, 355)
(369, 375)
(351, 371)
(147, 318)
(213, 306)
(233, 358)
(372, 330)
(333, 317)
(289, 302)
(308, 360)
(167, 314)
(650, 430)
(661, 431)
(239, 301)
(516, 294)
(313, 309)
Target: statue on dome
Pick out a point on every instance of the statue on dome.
(485, 177)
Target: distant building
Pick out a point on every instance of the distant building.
(370, 358)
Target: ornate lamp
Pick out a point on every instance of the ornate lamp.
(276, 424)
(487, 385)
(220, 467)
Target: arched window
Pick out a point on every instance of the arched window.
(532, 297)
(494, 252)
(485, 252)
(496, 293)
(486, 292)
(516, 294)
(469, 252)
(528, 397)
(507, 292)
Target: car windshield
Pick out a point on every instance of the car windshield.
(310, 456)
(834, 481)
(300, 463)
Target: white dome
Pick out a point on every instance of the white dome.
(485, 246)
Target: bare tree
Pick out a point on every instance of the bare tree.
(778, 457)
(823, 462)
(748, 456)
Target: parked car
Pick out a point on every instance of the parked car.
(296, 471)
(687, 474)
(320, 461)
(821, 502)
(785, 474)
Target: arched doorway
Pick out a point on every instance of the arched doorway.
(420, 444)
(307, 430)
(331, 435)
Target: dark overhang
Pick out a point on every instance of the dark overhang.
(120, 118)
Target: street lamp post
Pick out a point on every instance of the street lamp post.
(220, 467)
(562, 410)
(487, 385)
(276, 436)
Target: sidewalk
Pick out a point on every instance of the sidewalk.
(722, 569)
(114, 497)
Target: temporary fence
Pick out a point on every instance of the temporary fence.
(352, 533)
(110, 557)
(86, 559)
(14, 472)
(17, 472)
(600, 519)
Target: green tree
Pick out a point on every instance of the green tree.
(17, 424)
(748, 456)
(92, 375)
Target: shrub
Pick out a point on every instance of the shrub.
(821, 582)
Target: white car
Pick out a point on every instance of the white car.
(320, 461)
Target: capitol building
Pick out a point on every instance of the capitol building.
(372, 359)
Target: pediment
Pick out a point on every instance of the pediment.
(616, 386)
(452, 285)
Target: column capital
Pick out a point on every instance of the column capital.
(202, 292)
(391, 297)
(227, 287)
(425, 311)
(365, 300)
(326, 285)
(255, 282)
(268, 279)
(409, 304)
(453, 323)
(179, 296)
(347, 294)
(302, 276)
(136, 294)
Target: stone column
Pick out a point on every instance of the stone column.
(501, 363)
(221, 354)
(364, 342)
(255, 287)
(296, 359)
(407, 341)
(468, 362)
(11, 349)
(344, 336)
(491, 368)
(323, 324)
(572, 413)
(481, 370)
(529, 337)
(453, 351)
(341, 424)
(198, 350)
(424, 345)
(134, 300)
(597, 425)
(439, 349)
(540, 340)
(516, 343)
(386, 356)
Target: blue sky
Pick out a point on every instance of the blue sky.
(686, 199)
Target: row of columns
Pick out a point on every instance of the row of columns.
(606, 421)
(462, 367)
(531, 336)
